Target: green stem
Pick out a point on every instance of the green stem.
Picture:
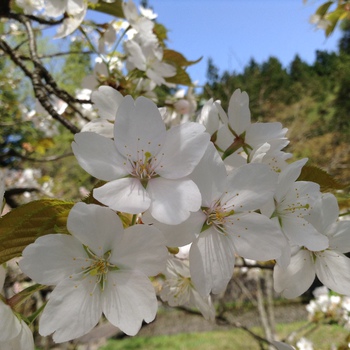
(133, 220)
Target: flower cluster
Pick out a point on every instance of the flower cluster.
(328, 307)
(221, 185)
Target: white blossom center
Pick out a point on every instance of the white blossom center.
(98, 266)
(218, 217)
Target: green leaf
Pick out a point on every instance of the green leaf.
(321, 177)
(178, 58)
(181, 77)
(322, 10)
(114, 8)
(161, 32)
(23, 225)
(333, 18)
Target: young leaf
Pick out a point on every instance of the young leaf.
(181, 78)
(322, 10)
(25, 224)
(178, 58)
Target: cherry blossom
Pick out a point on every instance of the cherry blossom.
(106, 101)
(178, 289)
(329, 264)
(291, 206)
(99, 268)
(226, 225)
(146, 166)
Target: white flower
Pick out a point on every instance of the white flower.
(30, 6)
(14, 333)
(209, 116)
(178, 289)
(148, 59)
(106, 101)
(291, 207)
(74, 10)
(108, 38)
(239, 139)
(100, 74)
(329, 264)
(55, 8)
(146, 165)
(230, 225)
(71, 23)
(320, 22)
(148, 13)
(99, 268)
(227, 225)
(141, 24)
(304, 344)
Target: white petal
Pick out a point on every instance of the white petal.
(71, 23)
(259, 133)
(209, 117)
(224, 138)
(52, 258)
(9, 324)
(128, 299)
(212, 259)
(249, 187)
(238, 111)
(297, 277)
(99, 126)
(107, 101)
(182, 234)
(324, 213)
(94, 226)
(287, 178)
(302, 233)
(184, 147)
(55, 8)
(127, 195)
(210, 176)
(256, 237)
(98, 156)
(142, 248)
(339, 236)
(173, 200)
(332, 269)
(74, 308)
(23, 341)
(138, 128)
(135, 54)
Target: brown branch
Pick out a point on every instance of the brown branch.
(39, 90)
(13, 153)
(19, 17)
(57, 54)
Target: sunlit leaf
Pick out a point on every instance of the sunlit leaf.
(161, 32)
(181, 78)
(178, 58)
(322, 10)
(333, 18)
(25, 224)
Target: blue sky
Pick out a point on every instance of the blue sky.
(233, 31)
